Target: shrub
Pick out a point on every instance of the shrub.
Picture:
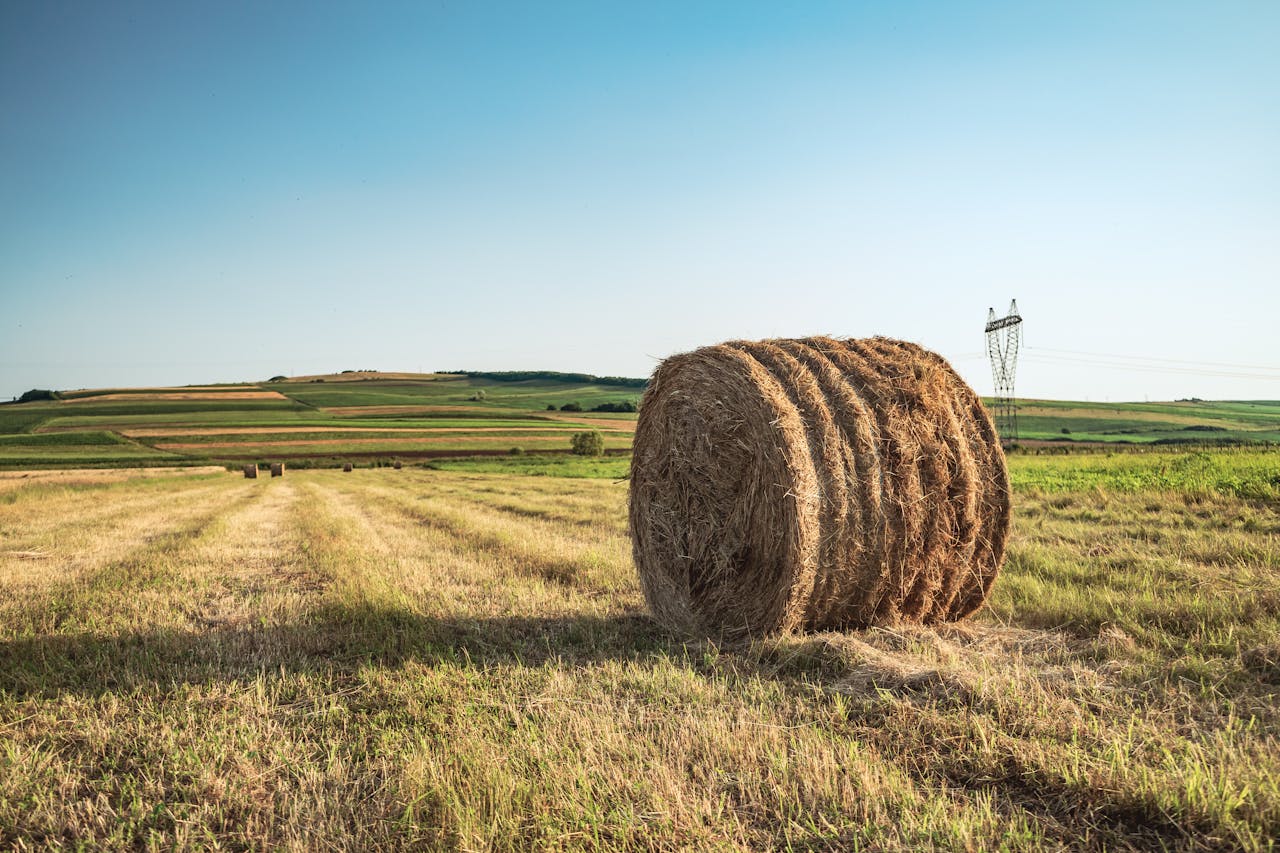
(516, 451)
(39, 394)
(479, 396)
(625, 406)
(551, 407)
(1066, 431)
(571, 407)
(589, 443)
(277, 379)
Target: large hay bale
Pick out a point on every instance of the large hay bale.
(251, 472)
(277, 469)
(346, 467)
(814, 484)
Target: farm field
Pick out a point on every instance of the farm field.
(371, 418)
(462, 658)
(342, 417)
(1184, 422)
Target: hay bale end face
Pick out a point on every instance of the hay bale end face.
(251, 472)
(814, 484)
(277, 469)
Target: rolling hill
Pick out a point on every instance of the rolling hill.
(374, 417)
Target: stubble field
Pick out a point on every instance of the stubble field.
(462, 660)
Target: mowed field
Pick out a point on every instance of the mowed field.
(372, 419)
(462, 659)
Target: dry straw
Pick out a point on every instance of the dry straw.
(251, 472)
(277, 469)
(814, 484)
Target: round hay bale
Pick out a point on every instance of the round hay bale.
(346, 467)
(251, 472)
(396, 465)
(814, 484)
(277, 469)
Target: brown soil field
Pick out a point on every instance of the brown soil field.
(1105, 412)
(347, 442)
(135, 396)
(433, 454)
(618, 425)
(360, 375)
(161, 389)
(410, 410)
(408, 432)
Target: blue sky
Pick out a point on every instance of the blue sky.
(217, 192)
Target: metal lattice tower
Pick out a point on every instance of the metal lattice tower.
(1004, 334)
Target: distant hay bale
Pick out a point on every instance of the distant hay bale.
(347, 467)
(251, 472)
(396, 465)
(277, 469)
(814, 484)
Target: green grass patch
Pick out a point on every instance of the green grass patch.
(61, 439)
(529, 395)
(1253, 474)
(75, 455)
(535, 465)
(24, 417)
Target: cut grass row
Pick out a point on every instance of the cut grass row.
(461, 660)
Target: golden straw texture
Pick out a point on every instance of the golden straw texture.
(814, 484)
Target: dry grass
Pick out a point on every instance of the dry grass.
(72, 477)
(428, 659)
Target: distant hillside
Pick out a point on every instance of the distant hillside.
(550, 376)
(1166, 423)
(370, 416)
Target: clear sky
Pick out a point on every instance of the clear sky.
(196, 192)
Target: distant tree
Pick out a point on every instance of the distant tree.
(550, 376)
(1066, 431)
(625, 406)
(277, 379)
(39, 394)
(551, 407)
(479, 396)
(589, 443)
(516, 451)
(571, 407)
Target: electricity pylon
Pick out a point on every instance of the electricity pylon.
(1004, 334)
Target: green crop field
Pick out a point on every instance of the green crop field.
(462, 659)
(324, 420)
(321, 419)
(1190, 422)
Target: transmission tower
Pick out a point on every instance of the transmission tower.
(1003, 336)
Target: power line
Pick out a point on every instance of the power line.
(1169, 370)
(1156, 359)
